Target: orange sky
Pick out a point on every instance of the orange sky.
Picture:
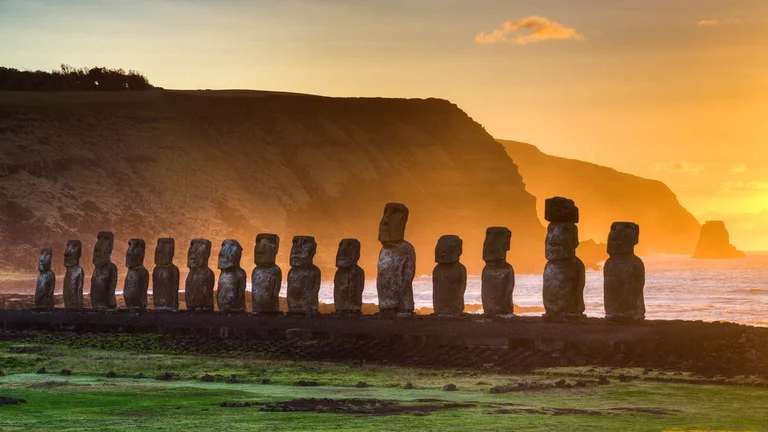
(675, 90)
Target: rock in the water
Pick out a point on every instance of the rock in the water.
(498, 277)
(75, 277)
(104, 278)
(165, 276)
(397, 262)
(349, 281)
(624, 274)
(231, 293)
(303, 277)
(198, 290)
(267, 277)
(714, 242)
(559, 209)
(564, 274)
(137, 280)
(449, 278)
(46, 282)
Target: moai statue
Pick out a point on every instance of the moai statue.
(498, 277)
(449, 278)
(46, 282)
(231, 295)
(564, 274)
(104, 278)
(267, 278)
(137, 280)
(397, 262)
(165, 276)
(624, 274)
(303, 277)
(74, 279)
(198, 290)
(349, 281)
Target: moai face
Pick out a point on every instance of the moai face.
(102, 252)
(303, 251)
(448, 249)
(134, 257)
(199, 253)
(265, 251)
(623, 238)
(73, 252)
(349, 253)
(230, 254)
(44, 264)
(562, 240)
(392, 226)
(496, 245)
(559, 209)
(166, 248)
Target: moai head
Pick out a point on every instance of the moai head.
(448, 249)
(392, 226)
(72, 253)
(349, 253)
(496, 244)
(562, 240)
(623, 238)
(559, 209)
(44, 264)
(134, 256)
(265, 251)
(102, 252)
(199, 253)
(303, 251)
(166, 248)
(230, 254)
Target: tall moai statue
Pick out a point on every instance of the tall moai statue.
(165, 276)
(75, 277)
(564, 274)
(397, 262)
(624, 274)
(198, 290)
(231, 293)
(303, 277)
(46, 282)
(498, 277)
(137, 279)
(104, 278)
(267, 277)
(449, 278)
(349, 281)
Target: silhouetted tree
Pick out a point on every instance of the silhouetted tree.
(69, 78)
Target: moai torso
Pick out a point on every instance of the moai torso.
(449, 278)
(46, 282)
(231, 293)
(624, 274)
(498, 277)
(349, 280)
(74, 279)
(104, 278)
(564, 274)
(267, 277)
(137, 279)
(165, 276)
(198, 290)
(304, 276)
(397, 262)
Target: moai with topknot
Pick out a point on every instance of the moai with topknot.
(397, 262)
(449, 278)
(231, 293)
(498, 277)
(104, 278)
(349, 281)
(624, 274)
(303, 277)
(75, 277)
(564, 274)
(165, 276)
(46, 282)
(137, 279)
(267, 277)
(198, 289)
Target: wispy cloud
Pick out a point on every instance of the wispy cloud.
(739, 168)
(716, 22)
(681, 167)
(729, 187)
(527, 30)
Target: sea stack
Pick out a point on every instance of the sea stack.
(303, 277)
(198, 289)
(449, 278)
(714, 242)
(498, 277)
(397, 262)
(104, 278)
(75, 277)
(624, 274)
(349, 280)
(231, 293)
(46, 282)
(267, 277)
(165, 276)
(564, 274)
(137, 280)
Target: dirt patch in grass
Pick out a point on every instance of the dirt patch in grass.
(656, 411)
(375, 407)
(5, 400)
(547, 411)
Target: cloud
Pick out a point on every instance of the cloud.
(729, 187)
(715, 22)
(681, 167)
(527, 30)
(739, 168)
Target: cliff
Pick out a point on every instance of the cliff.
(715, 242)
(605, 195)
(231, 164)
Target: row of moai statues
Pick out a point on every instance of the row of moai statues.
(563, 290)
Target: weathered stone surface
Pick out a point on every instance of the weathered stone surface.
(304, 276)
(449, 278)
(349, 281)
(46, 282)
(624, 274)
(75, 277)
(498, 277)
(564, 274)
(267, 277)
(137, 279)
(198, 289)
(562, 241)
(165, 276)
(559, 209)
(231, 293)
(104, 278)
(397, 262)
(714, 242)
